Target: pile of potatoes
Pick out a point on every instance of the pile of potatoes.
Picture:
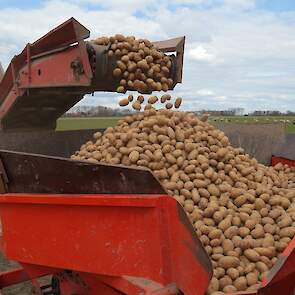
(243, 212)
(286, 170)
(137, 104)
(140, 65)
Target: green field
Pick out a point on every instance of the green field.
(287, 121)
(104, 122)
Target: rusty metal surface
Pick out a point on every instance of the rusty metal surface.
(29, 173)
(170, 45)
(65, 34)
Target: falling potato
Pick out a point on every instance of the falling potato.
(169, 105)
(177, 102)
(124, 102)
(165, 97)
(121, 89)
(152, 99)
(140, 98)
(136, 105)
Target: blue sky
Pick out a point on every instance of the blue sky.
(276, 5)
(272, 5)
(20, 4)
(239, 53)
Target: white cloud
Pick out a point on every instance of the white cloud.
(200, 53)
(205, 92)
(221, 97)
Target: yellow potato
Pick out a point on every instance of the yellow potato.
(252, 255)
(177, 102)
(124, 102)
(228, 262)
(168, 105)
(136, 106)
(121, 89)
(152, 99)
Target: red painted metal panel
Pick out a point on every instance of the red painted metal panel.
(44, 74)
(15, 276)
(55, 70)
(67, 33)
(275, 160)
(9, 101)
(137, 236)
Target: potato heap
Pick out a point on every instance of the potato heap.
(140, 65)
(137, 104)
(243, 212)
(289, 171)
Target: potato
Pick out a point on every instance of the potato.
(177, 102)
(287, 232)
(134, 156)
(215, 234)
(261, 266)
(229, 289)
(240, 283)
(225, 224)
(227, 245)
(244, 231)
(250, 224)
(224, 282)
(251, 278)
(117, 72)
(219, 272)
(213, 285)
(249, 268)
(168, 105)
(152, 99)
(136, 106)
(165, 97)
(252, 255)
(268, 252)
(124, 102)
(231, 231)
(228, 262)
(258, 232)
(233, 273)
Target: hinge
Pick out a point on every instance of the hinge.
(3, 179)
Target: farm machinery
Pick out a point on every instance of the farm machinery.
(94, 228)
